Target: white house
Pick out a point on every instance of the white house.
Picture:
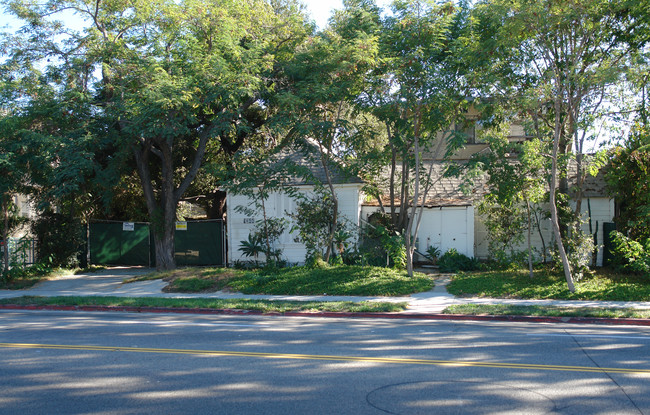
(448, 220)
(281, 204)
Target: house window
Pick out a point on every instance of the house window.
(469, 129)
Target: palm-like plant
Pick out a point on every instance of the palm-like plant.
(252, 247)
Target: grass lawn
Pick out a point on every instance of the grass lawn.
(603, 285)
(544, 311)
(335, 280)
(255, 305)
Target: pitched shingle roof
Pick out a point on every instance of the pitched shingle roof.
(448, 191)
(304, 162)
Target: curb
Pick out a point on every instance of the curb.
(333, 314)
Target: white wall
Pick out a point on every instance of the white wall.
(281, 205)
(443, 227)
(25, 210)
(602, 210)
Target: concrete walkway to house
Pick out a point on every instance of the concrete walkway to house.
(109, 282)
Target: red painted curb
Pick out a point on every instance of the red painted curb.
(332, 314)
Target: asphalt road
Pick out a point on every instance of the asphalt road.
(122, 363)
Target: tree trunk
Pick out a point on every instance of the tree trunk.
(393, 168)
(409, 255)
(335, 202)
(164, 247)
(5, 235)
(162, 209)
(267, 241)
(530, 248)
(541, 236)
(402, 219)
(408, 238)
(163, 212)
(554, 216)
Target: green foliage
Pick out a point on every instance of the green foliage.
(550, 284)
(154, 87)
(632, 255)
(14, 221)
(316, 262)
(506, 225)
(333, 280)
(580, 248)
(628, 179)
(270, 230)
(507, 261)
(516, 182)
(341, 240)
(382, 247)
(60, 239)
(313, 220)
(20, 277)
(434, 253)
(252, 247)
(454, 261)
(19, 251)
(559, 63)
(545, 311)
(352, 256)
(218, 304)
(579, 245)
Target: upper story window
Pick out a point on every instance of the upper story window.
(469, 129)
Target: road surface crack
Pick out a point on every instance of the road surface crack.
(606, 373)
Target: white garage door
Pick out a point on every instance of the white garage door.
(446, 228)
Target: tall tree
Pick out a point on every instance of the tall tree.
(326, 76)
(568, 54)
(23, 156)
(174, 77)
(421, 92)
(516, 178)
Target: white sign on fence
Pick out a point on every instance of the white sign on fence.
(128, 226)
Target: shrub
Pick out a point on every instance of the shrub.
(381, 247)
(352, 256)
(434, 253)
(252, 247)
(454, 261)
(503, 260)
(316, 262)
(313, 221)
(262, 240)
(632, 255)
(22, 275)
(60, 239)
(245, 265)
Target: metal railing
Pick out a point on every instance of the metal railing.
(22, 252)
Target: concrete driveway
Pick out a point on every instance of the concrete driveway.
(107, 282)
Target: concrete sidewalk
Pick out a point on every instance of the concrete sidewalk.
(109, 283)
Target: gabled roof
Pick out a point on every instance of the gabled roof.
(303, 159)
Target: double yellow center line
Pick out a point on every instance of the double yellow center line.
(385, 360)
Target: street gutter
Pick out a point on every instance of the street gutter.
(332, 314)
